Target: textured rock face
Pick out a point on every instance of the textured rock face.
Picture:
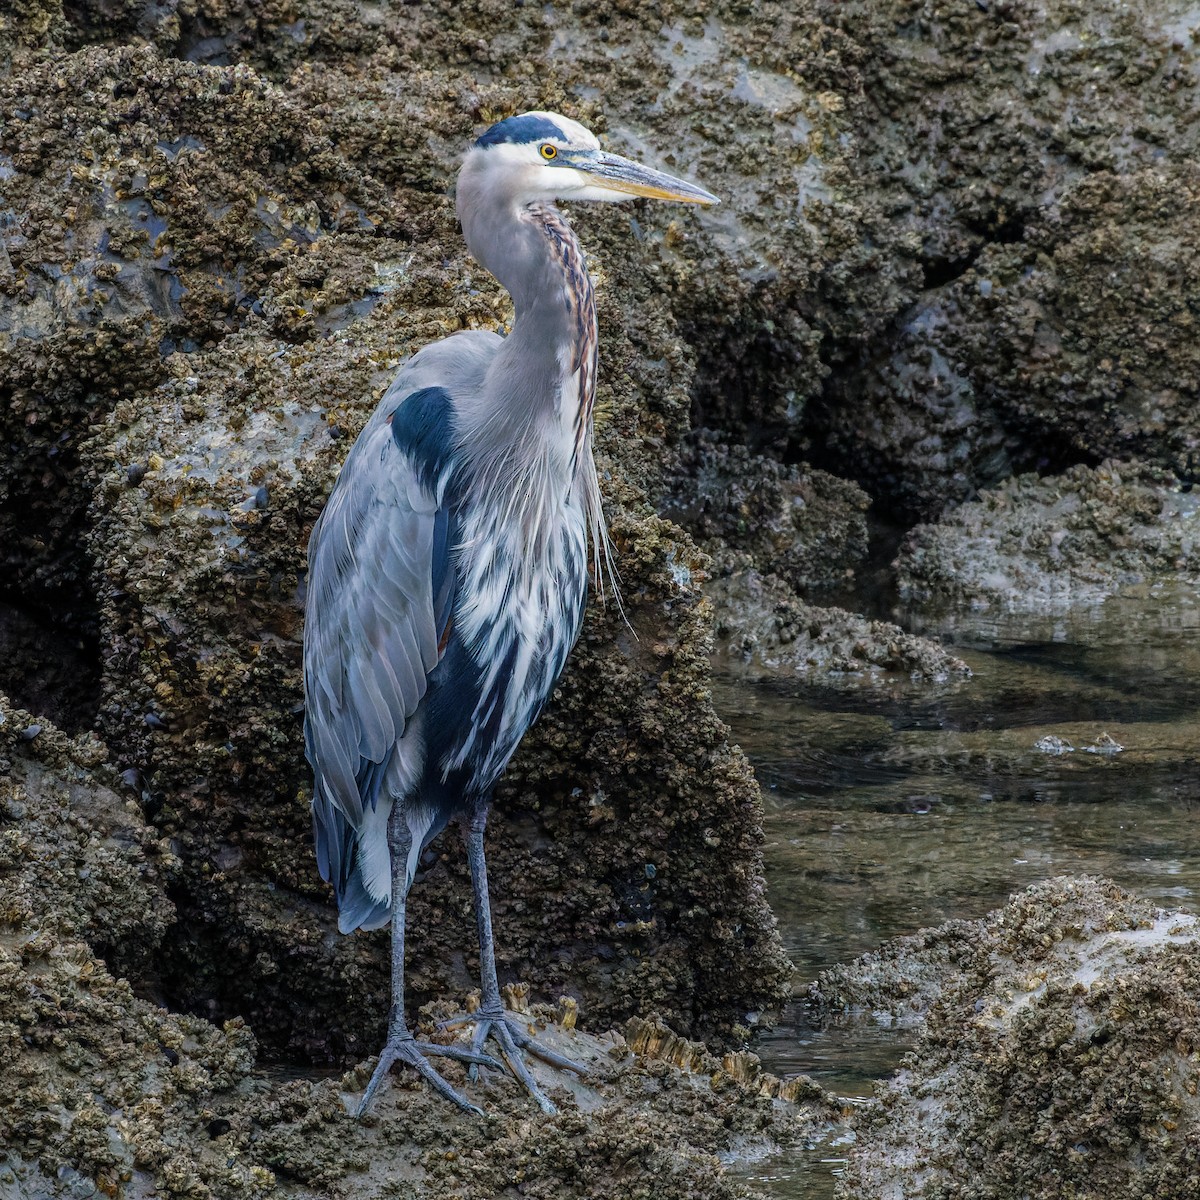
(204, 304)
(78, 859)
(145, 209)
(1058, 1052)
(1017, 184)
(1044, 546)
(1038, 164)
(107, 1093)
(806, 526)
(765, 631)
(956, 242)
(776, 538)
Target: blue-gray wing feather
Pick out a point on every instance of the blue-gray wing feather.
(379, 595)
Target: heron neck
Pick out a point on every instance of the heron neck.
(551, 350)
(553, 276)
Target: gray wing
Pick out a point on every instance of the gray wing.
(377, 606)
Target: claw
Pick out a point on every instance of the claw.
(513, 1038)
(408, 1050)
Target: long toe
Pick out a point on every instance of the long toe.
(483, 1031)
(528, 1042)
(512, 1037)
(474, 1056)
(516, 1064)
(412, 1053)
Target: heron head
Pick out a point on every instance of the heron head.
(545, 156)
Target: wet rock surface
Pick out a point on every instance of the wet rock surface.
(778, 538)
(1057, 1052)
(1052, 545)
(764, 630)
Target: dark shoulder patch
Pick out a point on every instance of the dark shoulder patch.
(423, 428)
(521, 130)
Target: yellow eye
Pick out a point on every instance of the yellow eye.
(549, 152)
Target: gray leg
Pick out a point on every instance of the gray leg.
(473, 831)
(401, 1046)
(491, 1020)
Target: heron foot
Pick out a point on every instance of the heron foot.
(404, 1048)
(511, 1035)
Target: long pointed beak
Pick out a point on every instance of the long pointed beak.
(624, 175)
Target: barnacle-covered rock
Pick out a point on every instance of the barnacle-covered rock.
(1053, 545)
(763, 629)
(107, 1093)
(77, 858)
(222, 226)
(802, 524)
(1058, 1052)
(213, 278)
(1038, 163)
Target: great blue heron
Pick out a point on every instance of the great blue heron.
(448, 572)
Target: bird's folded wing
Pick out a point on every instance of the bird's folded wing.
(378, 605)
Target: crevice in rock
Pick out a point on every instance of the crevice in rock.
(47, 668)
(999, 230)
(49, 622)
(939, 271)
(741, 384)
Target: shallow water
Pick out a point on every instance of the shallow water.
(895, 806)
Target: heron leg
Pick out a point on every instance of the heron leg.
(401, 1046)
(491, 1019)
